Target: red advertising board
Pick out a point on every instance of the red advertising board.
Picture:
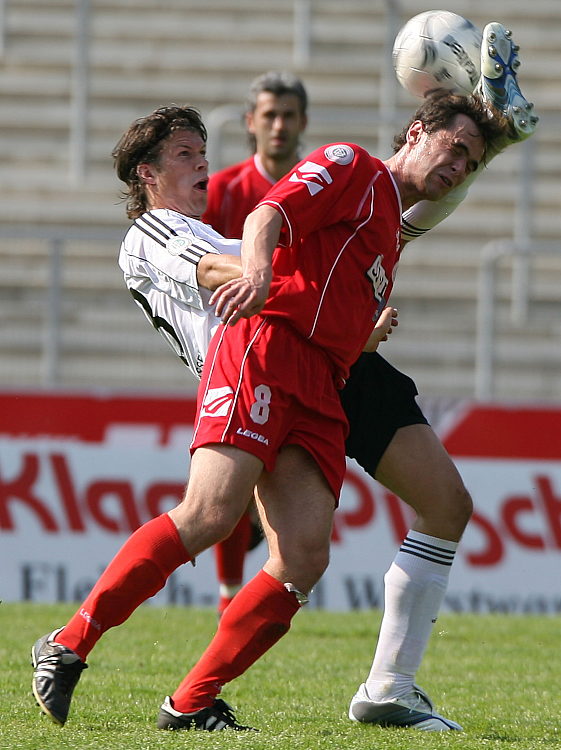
(79, 472)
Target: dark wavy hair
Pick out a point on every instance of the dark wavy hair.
(438, 110)
(143, 142)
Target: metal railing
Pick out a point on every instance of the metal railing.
(522, 249)
(486, 337)
(56, 238)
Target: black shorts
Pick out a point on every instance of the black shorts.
(378, 400)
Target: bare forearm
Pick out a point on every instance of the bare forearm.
(215, 269)
(247, 295)
(260, 237)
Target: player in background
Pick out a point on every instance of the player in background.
(275, 118)
(58, 663)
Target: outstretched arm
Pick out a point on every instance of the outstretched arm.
(215, 269)
(246, 296)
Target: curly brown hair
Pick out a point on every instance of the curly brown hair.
(438, 110)
(143, 142)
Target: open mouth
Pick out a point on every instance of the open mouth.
(202, 184)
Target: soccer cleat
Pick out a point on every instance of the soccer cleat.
(212, 719)
(57, 670)
(414, 710)
(498, 85)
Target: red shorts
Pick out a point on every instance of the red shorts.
(264, 386)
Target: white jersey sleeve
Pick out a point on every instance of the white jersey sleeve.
(159, 257)
(425, 215)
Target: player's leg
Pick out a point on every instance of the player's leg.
(415, 467)
(297, 516)
(390, 439)
(140, 569)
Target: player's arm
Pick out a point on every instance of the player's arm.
(215, 269)
(383, 328)
(247, 295)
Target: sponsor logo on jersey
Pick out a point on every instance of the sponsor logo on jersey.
(314, 176)
(253, 435)
(340, 154)
(377, 275)
(178, 245)
(217, 402)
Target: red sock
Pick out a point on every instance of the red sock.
(138, 571)
(230, 557)
(257, 618)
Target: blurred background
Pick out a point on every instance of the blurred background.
(479, 297)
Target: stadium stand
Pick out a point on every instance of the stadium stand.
(59, 199)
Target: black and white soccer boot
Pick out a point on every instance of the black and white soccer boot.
(57, 670)
(212, 719)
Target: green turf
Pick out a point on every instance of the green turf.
(497, 675)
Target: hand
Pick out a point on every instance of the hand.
(383, 328)
(241, 297)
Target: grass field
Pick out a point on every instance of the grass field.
(497, 675)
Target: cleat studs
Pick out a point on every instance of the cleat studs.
(492, 37)
(523, 123)
(534, 120)
(498, 68)
(516, 64)
(516, 110)
(516, 48)
(492, 51)
(529, 106)
(508, 33)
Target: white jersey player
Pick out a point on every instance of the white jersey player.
(159, 258)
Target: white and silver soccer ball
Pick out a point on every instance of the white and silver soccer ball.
(438, 49)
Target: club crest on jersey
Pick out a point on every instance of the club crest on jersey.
(340, 154)
(314, 176)
(217, 402)
(178, 245)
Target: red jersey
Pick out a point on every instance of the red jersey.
(233, 193)
(334, 268)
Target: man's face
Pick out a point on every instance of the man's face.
(443, 159)
(276, 123)
(180, 178)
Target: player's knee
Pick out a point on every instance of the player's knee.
(313, 564)
(202, 524)
(304, 565)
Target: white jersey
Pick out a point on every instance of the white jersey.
(159, 257)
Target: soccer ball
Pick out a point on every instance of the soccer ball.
(437, 50)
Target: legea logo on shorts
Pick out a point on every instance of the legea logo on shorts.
(217, 402)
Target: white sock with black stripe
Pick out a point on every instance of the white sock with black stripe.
(415, 585)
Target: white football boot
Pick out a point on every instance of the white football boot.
(498, 86)
(414, 711)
